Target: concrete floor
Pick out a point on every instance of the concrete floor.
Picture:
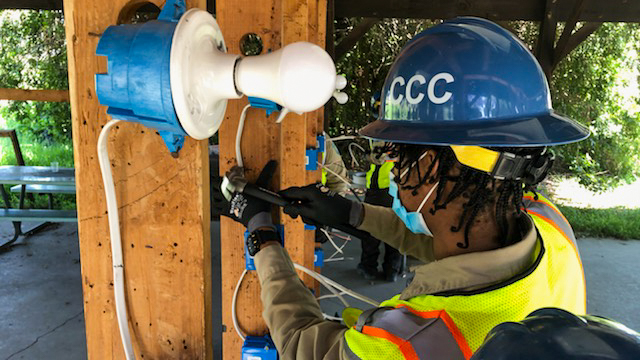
(41, 290)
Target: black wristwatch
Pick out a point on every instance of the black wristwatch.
(259, 237)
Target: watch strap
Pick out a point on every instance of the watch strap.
(259, 237)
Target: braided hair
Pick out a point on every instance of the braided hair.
(478, 187)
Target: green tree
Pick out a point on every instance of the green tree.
(583, 87)
(33, 55)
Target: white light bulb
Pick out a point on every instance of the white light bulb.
(341, 97)
(341, 82)
(301, 77)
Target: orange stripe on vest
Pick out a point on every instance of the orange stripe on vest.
(404, 346)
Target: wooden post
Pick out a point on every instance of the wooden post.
(277, 22)
(164, 214)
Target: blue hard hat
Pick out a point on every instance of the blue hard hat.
(468, 81)
(551, 333)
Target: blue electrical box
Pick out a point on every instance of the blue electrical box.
(261, 103)
(311, 155)
(309, 227)
(318, 257)
(137, 85)
(311, 159)
(321, 141)
(259, 348)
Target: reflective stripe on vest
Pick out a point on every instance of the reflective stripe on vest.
(394, 333)
(555, 279)
(380, 175)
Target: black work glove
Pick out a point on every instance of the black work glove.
(317, 205)
(242, 208)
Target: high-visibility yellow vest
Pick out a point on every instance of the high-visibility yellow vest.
(324, 172)
(463, 318)
(379, 174)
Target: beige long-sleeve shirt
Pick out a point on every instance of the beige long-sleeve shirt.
(294, 317)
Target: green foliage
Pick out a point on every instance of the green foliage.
(36, 154)
(585, 87)
(33, 55)
(617, 223)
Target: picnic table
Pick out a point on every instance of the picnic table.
(34, 179)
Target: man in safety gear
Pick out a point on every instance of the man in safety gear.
(377, 182)
(550, 334)
(466, 109)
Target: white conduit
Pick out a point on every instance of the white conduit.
(243, 116)
(326, 282)
(116, 242)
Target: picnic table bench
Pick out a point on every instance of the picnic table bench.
(35, 179)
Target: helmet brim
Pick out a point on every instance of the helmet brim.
(543, 130)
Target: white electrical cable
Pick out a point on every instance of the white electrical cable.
(329, 296)
(338, 249)
(332, 318)
(234, 316)
(343, 137)
(312, 273)
(323, 279)
(243, 116)
(349, 292)
(335, 173)
(116, 242)
(353, 158)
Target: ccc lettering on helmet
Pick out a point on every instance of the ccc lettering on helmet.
(414, 97)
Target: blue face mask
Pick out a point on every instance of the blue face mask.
(414, 221)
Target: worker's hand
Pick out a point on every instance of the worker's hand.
(244, 208)
(317, 205)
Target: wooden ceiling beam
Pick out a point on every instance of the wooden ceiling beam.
(575, 40)
(570, 25)
(533, 10)
(547, 38)
(354, 36)
(34, 95)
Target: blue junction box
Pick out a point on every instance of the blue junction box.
(259, 348)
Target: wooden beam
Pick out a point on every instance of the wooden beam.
(574, 41)
(354, 36)
(277, 22)
(547, 38)
(569, 26)
(164, 215)
(34, 95)
(533, 10)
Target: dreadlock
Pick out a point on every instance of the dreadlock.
(478, 187)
